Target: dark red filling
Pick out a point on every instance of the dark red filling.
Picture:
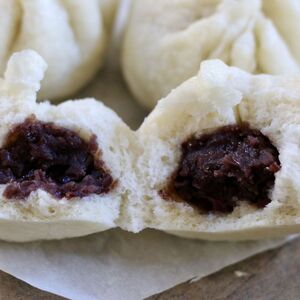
(43, 155)
(231, 164)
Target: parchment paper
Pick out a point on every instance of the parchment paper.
(116, 264)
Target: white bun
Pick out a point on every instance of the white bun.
(221, 95)
(142, 162)
(71, 35)
(165, 42)
(41, 216)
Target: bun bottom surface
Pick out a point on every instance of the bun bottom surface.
(254, 233)
(26, 231)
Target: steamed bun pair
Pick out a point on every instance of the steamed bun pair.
(165, 42)
(142, 163)
(71, 35)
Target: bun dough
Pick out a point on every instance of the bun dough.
(143, 161)
(41, 216)
(166, 42)
(220, 95)
(71, 35)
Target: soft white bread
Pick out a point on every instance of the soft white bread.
(221, 95)
(42, 216)
(142, 162)
(166, 41)
(71, 35)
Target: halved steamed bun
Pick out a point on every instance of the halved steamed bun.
(218, 158)
(165, 42)
(82, 146)
(71, 35)
(263, 165)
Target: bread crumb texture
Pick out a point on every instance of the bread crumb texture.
(142, 161)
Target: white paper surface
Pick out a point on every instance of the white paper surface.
(116, 264)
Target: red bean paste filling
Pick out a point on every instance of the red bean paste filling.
(231, 164)
(43, 155)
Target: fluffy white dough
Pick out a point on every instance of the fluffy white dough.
(221, 95)
(71, 35)
(165, 42)
(142, 162)
(41, 216)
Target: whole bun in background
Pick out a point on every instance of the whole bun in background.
(166, 42)
(71, 35)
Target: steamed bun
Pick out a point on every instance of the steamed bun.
(71, 35)
(140, 163)
(42, 215)
(219, 96)
(165, 42)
